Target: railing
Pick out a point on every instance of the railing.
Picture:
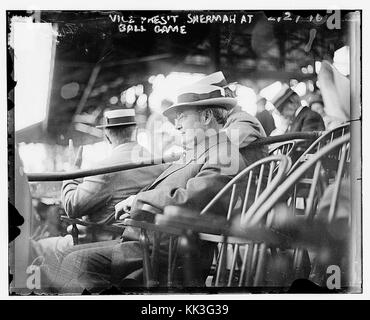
(60, 176)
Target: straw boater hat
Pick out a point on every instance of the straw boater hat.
(207, 92)
(118, 117)
(282, 96)
(315, 98)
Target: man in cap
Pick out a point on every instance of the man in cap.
(300, 118)
(210, 161)
(264, 116)
(94, 197)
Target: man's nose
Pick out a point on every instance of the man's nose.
(178, 125)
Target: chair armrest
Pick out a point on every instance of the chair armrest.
(185, 219)
(152, 227)
(214, 228)
(110, 227)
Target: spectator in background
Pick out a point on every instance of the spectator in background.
(299, 118)
(264, 116)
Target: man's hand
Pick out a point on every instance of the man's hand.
(123, 207)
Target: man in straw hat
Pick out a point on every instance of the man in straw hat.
(208, 164)
(96, 196)
(300, 118)
(241, 127)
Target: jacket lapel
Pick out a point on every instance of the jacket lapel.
(297, 120)
(189, 157)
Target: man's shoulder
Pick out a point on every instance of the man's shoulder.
(226, 155)
(241, 116)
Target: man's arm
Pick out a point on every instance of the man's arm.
(82, 197)
(199, 190)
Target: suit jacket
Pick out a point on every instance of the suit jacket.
(242, 129)
(96, 196)
(307, 120)
(195, 179)
(191, 182)
(267, 121)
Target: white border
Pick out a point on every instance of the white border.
(179, 5)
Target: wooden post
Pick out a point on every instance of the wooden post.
(355, 165)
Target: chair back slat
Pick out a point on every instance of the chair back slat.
(231, 203)
(337, 183)
(312, 191)
(326, 138)
(246, 196)
(295, 177)
(259, 180)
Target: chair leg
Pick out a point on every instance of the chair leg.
(260, 266)
(171, 260)
(222, 265)
(155, 258)
(233, 265)
(148, 278)
(75, 234)
(190, 255)
(297, 263)
(252, 249)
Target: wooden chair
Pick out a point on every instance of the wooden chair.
(247, 191)
(300, 191)
(325, 138)
(257, 238)
(305, 228)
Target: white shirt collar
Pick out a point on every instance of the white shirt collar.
(298, 111)
(124, 145)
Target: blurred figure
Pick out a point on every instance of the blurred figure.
(264, 116)
(316, 104)
(299, 118)
(335, 90)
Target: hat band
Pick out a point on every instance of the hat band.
(280, 101)
(192, 97)
(120, 120)
(222, 83)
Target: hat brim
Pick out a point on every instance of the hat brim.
(116, 125)
(226, 103)
(280, 101)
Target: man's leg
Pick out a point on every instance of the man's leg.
(52, 267)
(99, 268)
(86, 267)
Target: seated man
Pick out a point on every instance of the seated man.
(241, 127)
(94, 197)
(300, 118)
(208, 164)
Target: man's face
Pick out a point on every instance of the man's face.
(288, 110)
(191, 127)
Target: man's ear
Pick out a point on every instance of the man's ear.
(207, 116)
